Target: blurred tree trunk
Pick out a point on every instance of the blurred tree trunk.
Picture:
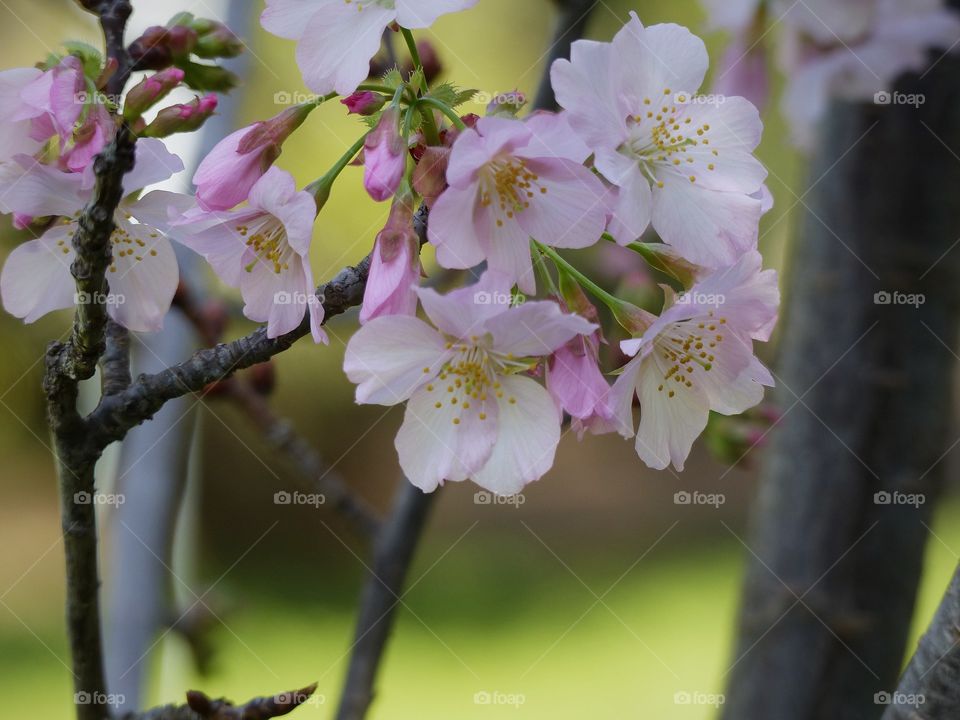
(866, 387)
(154, 458)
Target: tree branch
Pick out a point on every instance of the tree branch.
(201, 707)
(930, 686)
(381, 596)
(116, 414)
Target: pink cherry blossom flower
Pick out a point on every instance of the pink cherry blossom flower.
(143, 274)
(394, 269)
(697, 357)
(472, 412)
(337, 38)
(680, 162)
(510, 181)
(227, 173)
(384, 157)
(263, 248)
(363, 103)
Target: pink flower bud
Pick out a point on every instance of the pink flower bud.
(430, 175)
(182, 118)
(150, 91)
(394, 267)
(385, 157)
(364, 102)
(227, 173)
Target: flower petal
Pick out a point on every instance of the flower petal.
(386, 358)
(36, 277)
(528, 438)
(535, 329)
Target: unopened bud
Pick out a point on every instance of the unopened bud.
(364, 102)
(160, 47)
(216, 40)
(182, 118)
(208, 78)
(150, 91)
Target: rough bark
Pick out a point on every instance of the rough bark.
(866, 387)
(930, 686)
(382, 595)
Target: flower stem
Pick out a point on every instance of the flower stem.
(320, 188)
(595, 289)
(445, 109)
(430, 131)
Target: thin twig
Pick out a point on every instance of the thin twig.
(201, 707)
(381, 596)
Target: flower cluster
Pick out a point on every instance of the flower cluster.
(489, 371)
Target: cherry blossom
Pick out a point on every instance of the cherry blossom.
(227, 173)
(510, 181)
(384, 157)
(697, 357)
(681, 162)
(143, 274)
(337, 38)
(263, 248)
(472, 411)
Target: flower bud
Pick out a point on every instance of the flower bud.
(159, 47)
(394, 266)
(385, 157)
(216, 40)
(208, 78)
(182, 118)
(149, 91)
(227, 173)
(364, 102)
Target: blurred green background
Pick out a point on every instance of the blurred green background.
(599, 596)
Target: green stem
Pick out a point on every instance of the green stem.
(430, 130)
(445, 109)
(595, 289)
(320, 188)
(376, 87)
(316, 102)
